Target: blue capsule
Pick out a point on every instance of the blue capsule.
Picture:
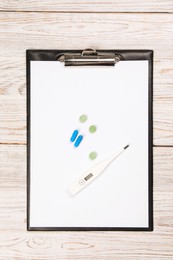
(78, 141)
(74, 135)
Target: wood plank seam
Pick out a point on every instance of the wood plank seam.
(83, 12)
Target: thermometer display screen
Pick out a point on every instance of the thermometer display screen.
(88, 176)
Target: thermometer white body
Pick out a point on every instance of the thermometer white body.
(89, 176)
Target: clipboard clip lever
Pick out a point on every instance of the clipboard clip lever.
(89, 57)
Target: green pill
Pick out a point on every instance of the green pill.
(92, 129)
(93, 155)
(83, 118)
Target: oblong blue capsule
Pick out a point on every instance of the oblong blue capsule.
(78, 141)
(74, 135)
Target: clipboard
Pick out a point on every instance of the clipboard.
(90, 140)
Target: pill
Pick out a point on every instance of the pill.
(83, 118)
(78, 141)
(92, 129)
(93, 155)
(74, 135)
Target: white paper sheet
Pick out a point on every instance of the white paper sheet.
(115, 99)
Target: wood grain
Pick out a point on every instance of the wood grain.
(88, 5)
(17, 243)
(21, 31)
(51, 24)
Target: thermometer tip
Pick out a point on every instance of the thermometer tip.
(126, 146)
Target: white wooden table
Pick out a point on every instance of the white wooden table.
(72, 24)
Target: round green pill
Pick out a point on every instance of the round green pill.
(83, 118)
(93, 155)
(92, 129)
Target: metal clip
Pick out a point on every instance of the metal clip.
(89, 57)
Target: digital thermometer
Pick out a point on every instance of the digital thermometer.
(93, 173)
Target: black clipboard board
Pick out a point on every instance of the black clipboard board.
(78, 58)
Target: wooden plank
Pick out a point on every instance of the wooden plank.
(20, 31)
(17, 243)
(163, 122)
(88, 6)
(13, 120)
